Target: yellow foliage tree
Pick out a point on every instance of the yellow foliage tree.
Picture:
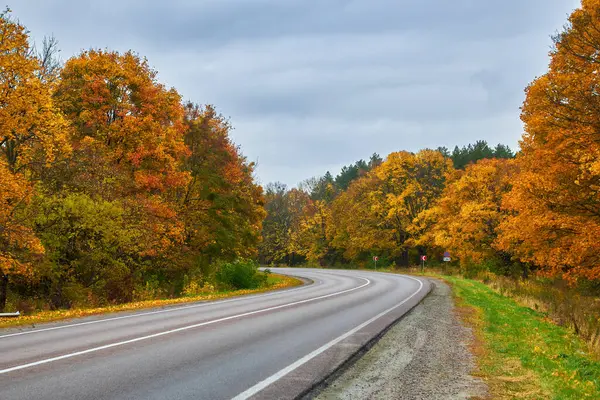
(309, 236)
(465, 219)
(33, 135)
(379, 212)
(354, 227)
(33, 131)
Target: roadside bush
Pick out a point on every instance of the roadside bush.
(150, 290)
(239, 274)
(195, 287)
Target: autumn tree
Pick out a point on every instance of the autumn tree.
(379, 211)
(129, 139)
(128, 145)
(129, 127)
(466, 217)
(354, 227)
(33, 131)
(285, 214)
(409, 184)
(555, 199)
(309, 233)
(221, 206)
(34, 135)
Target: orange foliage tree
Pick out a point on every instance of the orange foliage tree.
(128, 146)
(129, 127)
(556, 196)
(33, 131)
(33, 135)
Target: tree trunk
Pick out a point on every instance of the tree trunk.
(3, 290)
(525, 271)
(403, 259)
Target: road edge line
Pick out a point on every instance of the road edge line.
(257, 388)
(319, 386)
(180, 329)
(162, 310)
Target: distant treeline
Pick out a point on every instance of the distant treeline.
(312, 223)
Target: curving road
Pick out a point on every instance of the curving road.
(268, 346)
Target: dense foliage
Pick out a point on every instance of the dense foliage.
(240, 274)
(113, 189)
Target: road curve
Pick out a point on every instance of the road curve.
(268, 346)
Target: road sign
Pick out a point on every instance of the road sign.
(423, 258)
(447, 256)
(375, 258)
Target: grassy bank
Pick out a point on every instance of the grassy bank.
(522, 354)
(274, 281)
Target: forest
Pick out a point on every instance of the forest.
(115, 189)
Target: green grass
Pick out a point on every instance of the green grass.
(522, 354)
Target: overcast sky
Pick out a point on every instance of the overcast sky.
(311, 85)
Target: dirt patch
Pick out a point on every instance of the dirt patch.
(424, 356)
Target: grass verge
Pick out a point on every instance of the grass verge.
(521, 354)
(274, 281)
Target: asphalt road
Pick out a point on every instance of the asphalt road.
(268, 346)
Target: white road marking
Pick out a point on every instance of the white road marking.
(184, 328)
(280, 374)
(141, 314)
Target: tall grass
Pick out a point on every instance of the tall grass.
(570, 307)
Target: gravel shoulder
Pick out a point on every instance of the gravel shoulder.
(424, 356)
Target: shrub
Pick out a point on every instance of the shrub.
(195, 288)
(239, 274)
(150, 290)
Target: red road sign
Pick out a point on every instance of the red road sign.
(446, 254)
(423, 258)
(375, 258)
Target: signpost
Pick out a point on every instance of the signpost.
(423, 259)
(375, 259)
(447, 256)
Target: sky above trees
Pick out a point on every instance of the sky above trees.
(311, 86)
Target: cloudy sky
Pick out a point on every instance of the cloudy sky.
(311, 85)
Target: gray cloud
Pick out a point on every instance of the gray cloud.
(311, 85)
